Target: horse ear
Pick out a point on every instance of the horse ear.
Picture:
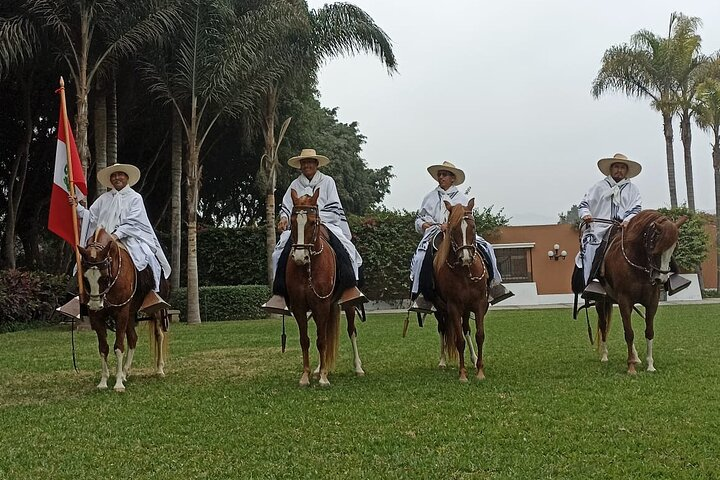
(471, 204)
(681, 220)
(294, 196)
(82, 251)
(447, 205)
(315, 196)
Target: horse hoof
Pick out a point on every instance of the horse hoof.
(324, 384)
(463, 380)
(632, 371)
(101, 386)
(480, 376)
(604, 359)
(442, 366)
(360, 373)
(305, 381)
(119, 389)
(161, 373)
(650, 368)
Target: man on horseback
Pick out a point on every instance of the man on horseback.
(333, 217)
(121, 211)
(431, 220)
(613, 198)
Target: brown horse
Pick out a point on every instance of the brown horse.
(310, 279)
(115, 291)
(461, 285)
(636, 265)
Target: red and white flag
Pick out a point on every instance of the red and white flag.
(60, 219)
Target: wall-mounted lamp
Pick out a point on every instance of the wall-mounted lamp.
(556, 254)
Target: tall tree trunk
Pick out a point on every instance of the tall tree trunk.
(668, 132)
(270, 173)
(192, 173)
(716, 168)
(81, 93)
(176, 195)
(686, 136)
(112, 123)
(16, 180)
(100, 119)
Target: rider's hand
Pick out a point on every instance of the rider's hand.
(443, 227)
(282, 225)
(72, 200)
(587, 218)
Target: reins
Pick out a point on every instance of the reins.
(315, 238)
(107, 261)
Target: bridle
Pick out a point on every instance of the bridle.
(308, 210)
(458, 249)
(105, 265)
(650, 237)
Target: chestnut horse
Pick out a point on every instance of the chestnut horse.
(636, 266)
(311, 286)
(461, 286)
(115, 291)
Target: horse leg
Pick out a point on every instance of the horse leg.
(454, 316)
(468, 338)
(604, 311)
(626, 312)
(98, 324)
(441, 333)
(132, 344)
(159, 342)
(120, 333)
(301, 318)
(352, 333)
(650, 334)
(322, 318)
(480, 339)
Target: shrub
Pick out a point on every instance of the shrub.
(240, 302)
(29, 298)
(692, 247)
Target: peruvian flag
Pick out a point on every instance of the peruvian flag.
(60, 220)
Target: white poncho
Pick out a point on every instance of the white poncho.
(123, 214)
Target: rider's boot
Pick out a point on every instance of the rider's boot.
(153, 303)
(277, 305)
(676, 283)
(498, 293)
(351, 297)
(594, 291)
(422, 305)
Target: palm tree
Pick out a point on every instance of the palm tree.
(707, 116)
(91, 34)
(336, 29)
(686, 60)
(644, 69)
(225, 58)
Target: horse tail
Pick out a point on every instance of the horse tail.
(332, 337)
(448, 336)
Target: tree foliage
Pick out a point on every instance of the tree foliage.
(692, 247)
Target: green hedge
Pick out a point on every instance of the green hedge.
(240, 302)
(29, 298)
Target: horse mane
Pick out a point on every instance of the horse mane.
(636, 227)
(457, 212)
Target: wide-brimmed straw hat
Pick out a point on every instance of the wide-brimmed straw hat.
(131, 171)
(308, 153)
(459, 174)
(634, 168)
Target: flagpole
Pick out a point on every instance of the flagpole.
(63, 112)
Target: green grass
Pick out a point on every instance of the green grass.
(230, 406)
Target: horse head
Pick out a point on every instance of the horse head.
(461, 231)
(657, 236)
(304, 226)
(97, 265)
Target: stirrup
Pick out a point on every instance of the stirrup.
(277, 305)
(594, 291)
(153, 303)
(351, 297)
(70, 309)
(422, 305)
(676, 283)
(498, 293)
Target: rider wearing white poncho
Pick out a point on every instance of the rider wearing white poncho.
(432, 218)
(332, 215)
(122, 214)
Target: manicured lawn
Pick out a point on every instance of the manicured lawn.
(230, 406)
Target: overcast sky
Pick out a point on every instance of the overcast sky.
(502, 90)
